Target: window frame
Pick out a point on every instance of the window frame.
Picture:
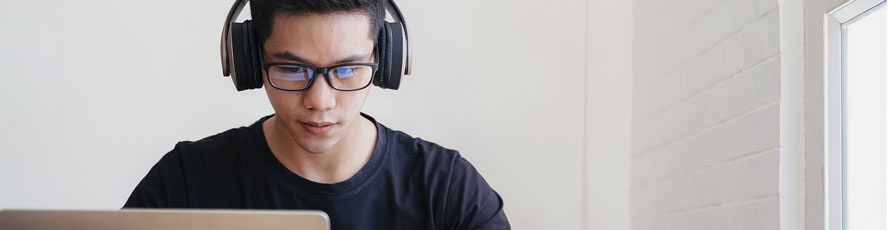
(836, 23)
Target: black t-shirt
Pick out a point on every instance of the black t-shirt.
(408, 183)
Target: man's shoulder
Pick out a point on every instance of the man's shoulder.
(416, 151)
(404, 143)
(193, 167)
(468, 200)
(230, 139)
(227, 145)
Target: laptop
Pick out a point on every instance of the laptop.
(164, 219)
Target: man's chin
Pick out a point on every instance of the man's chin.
(317, 144)
(316, 149)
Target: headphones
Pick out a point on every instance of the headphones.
(241, 58)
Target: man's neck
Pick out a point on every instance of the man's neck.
(341, 162)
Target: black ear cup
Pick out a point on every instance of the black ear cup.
(390, 49)
(245, 57)
(255, 77)
(382, 47)
(396, 50)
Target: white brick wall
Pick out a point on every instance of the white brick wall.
(705, 138)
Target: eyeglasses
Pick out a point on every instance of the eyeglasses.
(298, 77)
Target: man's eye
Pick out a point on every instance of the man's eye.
(290, 73)
(345, 71)
(292, 69)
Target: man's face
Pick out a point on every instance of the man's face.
(318, 117)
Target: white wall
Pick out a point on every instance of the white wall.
(706, 115)
(96, 91)
(608, 113)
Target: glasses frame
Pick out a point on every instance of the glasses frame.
(316, 70)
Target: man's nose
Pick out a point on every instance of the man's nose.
(320, 96)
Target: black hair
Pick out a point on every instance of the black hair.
(263, 12)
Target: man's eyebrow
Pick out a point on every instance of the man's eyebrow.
(293, 57)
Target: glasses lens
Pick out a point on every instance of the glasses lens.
(290, 77)
(351, 77)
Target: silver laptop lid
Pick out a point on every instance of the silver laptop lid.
(164, 219)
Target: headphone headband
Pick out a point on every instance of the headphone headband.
(396, 14)
(226, 51)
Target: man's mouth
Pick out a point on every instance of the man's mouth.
(317, 128)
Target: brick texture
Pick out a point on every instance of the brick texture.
(705, 135)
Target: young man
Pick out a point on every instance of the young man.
(318, 151)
